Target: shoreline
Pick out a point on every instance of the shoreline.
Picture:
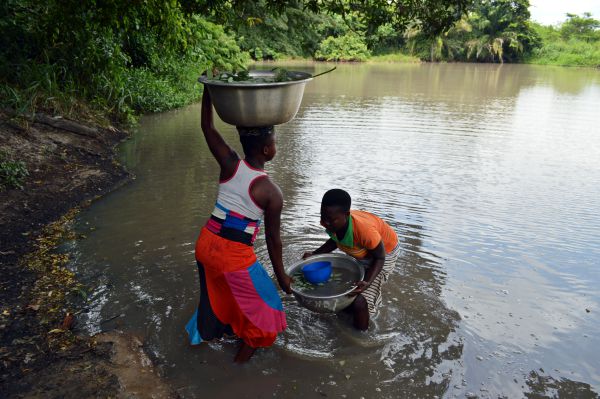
(42, 353)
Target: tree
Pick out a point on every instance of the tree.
(434, 16)
(493, 31)
(582, 27)
(501, 31)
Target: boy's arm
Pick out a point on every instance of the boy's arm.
(274, 204)
(223, 153)
(378, 256)
(329, 246)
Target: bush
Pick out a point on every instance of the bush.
(567, 53)
(349, 47)
(171, 81)
(12, 173)
(395, 57)
(114, 57)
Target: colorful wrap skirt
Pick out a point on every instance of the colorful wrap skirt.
(236, 294)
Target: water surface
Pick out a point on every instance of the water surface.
(490, 174)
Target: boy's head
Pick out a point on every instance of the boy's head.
(335, 209)
(258, 141)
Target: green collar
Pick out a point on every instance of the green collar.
(348, 240)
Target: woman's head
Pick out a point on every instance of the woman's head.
(258, 141)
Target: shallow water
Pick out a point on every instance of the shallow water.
(490, 174)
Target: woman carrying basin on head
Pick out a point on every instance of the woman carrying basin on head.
(237, 295)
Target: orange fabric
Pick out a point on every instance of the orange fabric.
(219, 256)
(368, 231)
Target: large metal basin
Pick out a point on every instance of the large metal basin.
(257, 104)
(328, 303)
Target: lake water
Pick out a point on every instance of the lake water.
(490, 174)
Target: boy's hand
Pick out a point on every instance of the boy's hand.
(307, 255)
(361, 286)
(285, 282)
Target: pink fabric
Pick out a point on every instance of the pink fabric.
(213, 226)
(252, 305)
(237, 215)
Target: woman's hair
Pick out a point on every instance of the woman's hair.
(337, 197)
(253, 139)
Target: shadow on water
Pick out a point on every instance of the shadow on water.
(468, 163)
(541, 387)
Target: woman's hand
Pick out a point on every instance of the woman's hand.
(285, 283)
(307, 255)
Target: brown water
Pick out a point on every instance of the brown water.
(490, 175)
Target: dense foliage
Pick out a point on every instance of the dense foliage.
(494, 31)
(575, 42)
(349, 47)
(114, 56)
(293, 32)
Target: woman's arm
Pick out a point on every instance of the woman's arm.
(273, 199)
(223, 153)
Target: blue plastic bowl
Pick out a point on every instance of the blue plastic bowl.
(317, 272)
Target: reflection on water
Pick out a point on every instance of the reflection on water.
(490, 176)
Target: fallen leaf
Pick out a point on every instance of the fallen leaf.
(55, 331)
(33, 307)
(67, 322)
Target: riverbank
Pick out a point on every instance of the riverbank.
(41, 353)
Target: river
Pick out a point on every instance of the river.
(490, 174)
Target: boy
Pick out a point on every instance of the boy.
(368, 239)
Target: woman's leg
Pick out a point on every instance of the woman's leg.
(244, 353)
(209, 326)
(360, 311)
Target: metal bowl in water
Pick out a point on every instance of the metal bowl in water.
(257, 104)
(325, 303)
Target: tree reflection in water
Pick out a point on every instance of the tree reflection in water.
(541, 386)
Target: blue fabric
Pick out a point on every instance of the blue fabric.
(221, 207)
(192, 329)
(264, 286)
(235, 223)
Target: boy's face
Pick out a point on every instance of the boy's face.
(333, 218)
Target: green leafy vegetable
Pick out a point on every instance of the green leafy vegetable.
(279, 75)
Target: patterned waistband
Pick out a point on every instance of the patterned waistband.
(232, 225)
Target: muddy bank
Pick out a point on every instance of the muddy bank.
(41, 354)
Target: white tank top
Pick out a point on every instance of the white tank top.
(234, 193)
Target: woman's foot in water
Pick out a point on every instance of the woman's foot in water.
(244, 353)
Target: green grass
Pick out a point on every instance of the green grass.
(394, 57)
(567, 53)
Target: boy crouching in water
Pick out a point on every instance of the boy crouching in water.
(366, 238)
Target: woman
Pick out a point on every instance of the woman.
(237, 295)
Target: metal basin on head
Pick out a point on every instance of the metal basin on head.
(330, 302)
(257, 104)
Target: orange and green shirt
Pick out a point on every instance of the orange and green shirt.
(365, 231)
